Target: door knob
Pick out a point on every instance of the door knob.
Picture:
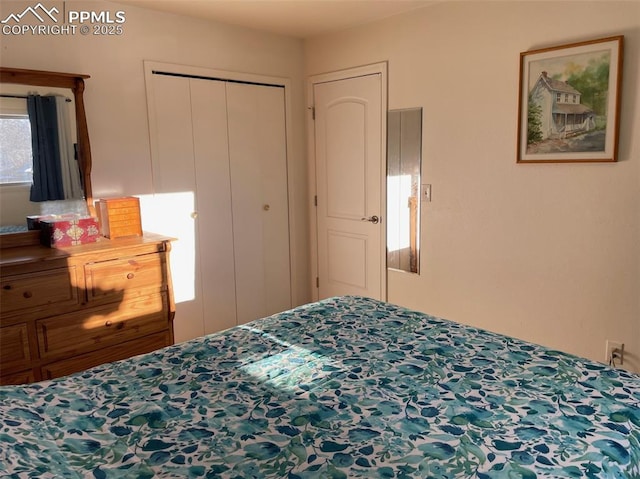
(373, 219)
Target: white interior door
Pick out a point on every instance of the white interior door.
(349, 151)
(258, 159)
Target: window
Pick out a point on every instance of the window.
(16, 160)
(558, 98)
(16, 165)
(566, 98)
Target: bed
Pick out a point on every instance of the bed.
(346, 387)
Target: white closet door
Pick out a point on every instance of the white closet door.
(191, 181)
(213, 222)
(258, 159)
(174, 179)
(220, 174)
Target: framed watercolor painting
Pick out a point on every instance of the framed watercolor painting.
(569, 102)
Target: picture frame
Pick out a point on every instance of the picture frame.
(569, 102)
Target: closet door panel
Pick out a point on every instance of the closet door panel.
(214, 221)
(258, 161)
(174, 179)
(175, 170)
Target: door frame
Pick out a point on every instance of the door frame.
(371, 69)
(296, 293)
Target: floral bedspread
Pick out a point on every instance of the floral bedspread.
(344, 388)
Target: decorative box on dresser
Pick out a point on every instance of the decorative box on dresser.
(66, 310)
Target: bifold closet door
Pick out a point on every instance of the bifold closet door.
(173, 178)
(258, 167)
(214, 223)
(220, 169)
(191, 179)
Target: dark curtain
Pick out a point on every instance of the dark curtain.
(47, 175)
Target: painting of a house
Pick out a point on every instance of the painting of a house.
(569, 102)
(561, 112)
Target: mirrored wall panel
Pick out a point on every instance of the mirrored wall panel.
(404, 153)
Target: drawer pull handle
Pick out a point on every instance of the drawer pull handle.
(7, 287)
(27, 294)
(108, 324)
(130, 276)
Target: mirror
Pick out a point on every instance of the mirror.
(404, 158)
(16, 85)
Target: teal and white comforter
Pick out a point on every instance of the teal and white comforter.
(344, 388)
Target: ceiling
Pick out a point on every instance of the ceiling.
(296, 18)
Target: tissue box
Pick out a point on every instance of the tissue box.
(60, 233)
(119, 217)
(33, 222)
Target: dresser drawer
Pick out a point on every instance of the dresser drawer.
(21, 293)
(20, 377)
(125, 278)
(14, 347)
(99, 327)
(106, 355)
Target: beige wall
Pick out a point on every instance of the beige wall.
(116, 100)
(548, 253)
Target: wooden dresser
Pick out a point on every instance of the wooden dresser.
(66, 310)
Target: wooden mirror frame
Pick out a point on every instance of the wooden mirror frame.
(75, 82)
